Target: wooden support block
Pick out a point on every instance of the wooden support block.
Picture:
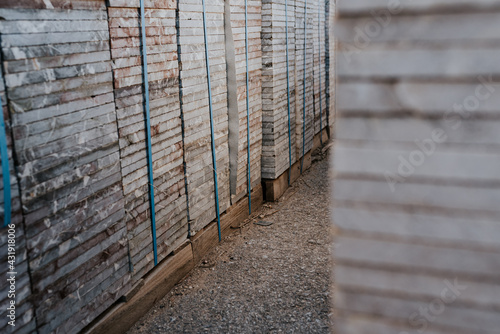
(156, 284)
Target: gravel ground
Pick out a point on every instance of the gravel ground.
(273, 279)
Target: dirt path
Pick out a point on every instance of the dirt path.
(273, 279)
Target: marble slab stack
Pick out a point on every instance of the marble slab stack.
(275, 157)
(166, 137)
(301, 29)
(60, 95)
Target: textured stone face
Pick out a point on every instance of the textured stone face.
(23, 305)
(60, 94)
(416, 164)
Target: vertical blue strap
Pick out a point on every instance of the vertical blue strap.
(319, 65)
(304, 92)
(288, 94)
(5, 171)
(248, 113)
(214, 158)
(148, 131)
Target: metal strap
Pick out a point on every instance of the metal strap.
(304, 91)
(214, 158)
(5, 172)
(319, 66)
(148, 131)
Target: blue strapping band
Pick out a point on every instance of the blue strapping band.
(214, 158)
(288, 94)
(248, 112)
(5, 171)
(320, 95)
(304, 92)
(148, 132)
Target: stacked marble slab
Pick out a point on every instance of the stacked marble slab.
(304, 38)
(166, 136)
(255, 90)
(60, 97)
(303, 31)
(275, 157)
(196, 112)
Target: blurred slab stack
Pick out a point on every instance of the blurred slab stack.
(25, 324)
(195, 106)
(255, 90)
(417, 167)
(166, 136)
(60, 95)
